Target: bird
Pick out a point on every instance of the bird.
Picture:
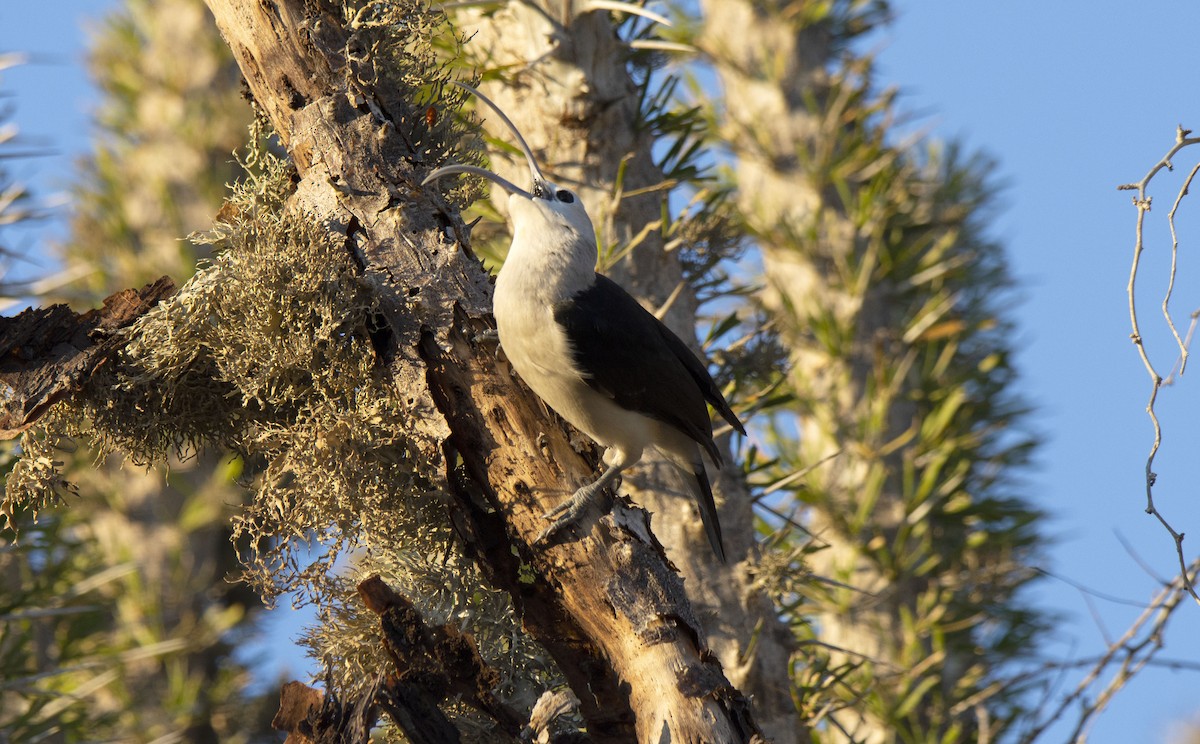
(591, 352)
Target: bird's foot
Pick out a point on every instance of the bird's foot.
(588, 502)
(487, 337)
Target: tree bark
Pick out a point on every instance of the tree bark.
(606, 606)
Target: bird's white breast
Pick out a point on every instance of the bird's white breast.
(547, 266)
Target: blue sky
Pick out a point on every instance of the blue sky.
(1072, 99)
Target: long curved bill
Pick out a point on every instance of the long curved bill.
(535, 172)
(475, 170)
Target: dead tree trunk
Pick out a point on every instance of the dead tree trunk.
(607, 606)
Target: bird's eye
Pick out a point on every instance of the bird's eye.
(564, 196)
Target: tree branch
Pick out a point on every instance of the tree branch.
(433, 663)
(1141, 202)
(46, 353)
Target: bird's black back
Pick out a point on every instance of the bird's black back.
(630, 356)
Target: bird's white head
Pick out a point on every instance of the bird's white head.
(546, 210)
(552, 211)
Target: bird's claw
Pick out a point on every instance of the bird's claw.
(571, 512)
(487, 337)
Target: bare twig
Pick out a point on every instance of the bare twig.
(1183, 191)
(1142, 202)
(1086, 590)
(1138, 558)
(1187, 344)
(1134, 650)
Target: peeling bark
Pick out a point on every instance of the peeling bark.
(296, 701)
(310, 716)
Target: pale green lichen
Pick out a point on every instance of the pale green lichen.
(36, 480)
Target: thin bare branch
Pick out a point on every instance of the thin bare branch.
(1134, 650)
(1142, 203)
(1183, 191)
(1137, 558)
(1177, 368)
(1086, 590)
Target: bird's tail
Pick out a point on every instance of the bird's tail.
(708, 510)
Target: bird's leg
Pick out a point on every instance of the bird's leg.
(593, 495)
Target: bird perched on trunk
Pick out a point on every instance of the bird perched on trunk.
(590, 351)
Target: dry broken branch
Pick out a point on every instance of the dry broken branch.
(310, 716)
(432, 663)
(46, 353)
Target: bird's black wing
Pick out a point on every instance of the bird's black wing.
(699, 372)
(628, 355)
